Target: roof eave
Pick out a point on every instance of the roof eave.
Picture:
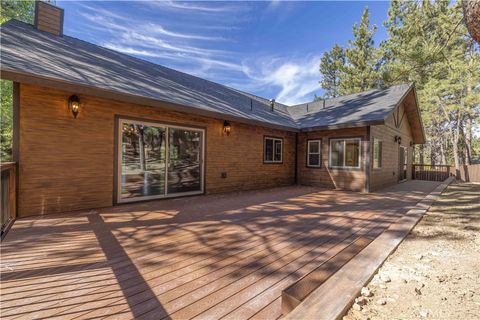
(410, 88)
(344, 125)
(130, 98)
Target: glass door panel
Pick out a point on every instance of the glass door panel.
(184, 160)
(142, 160)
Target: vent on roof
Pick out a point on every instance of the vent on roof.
(48, 17)
(272, 103)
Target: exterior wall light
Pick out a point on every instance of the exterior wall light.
(227, 127)
(74, 105)
(398, 139)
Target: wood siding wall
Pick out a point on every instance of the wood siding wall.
(68, 164)
(48, 18)
(349, 179)
(388, 174)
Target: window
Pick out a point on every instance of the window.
(377, 153)
(313, 153)
(273, 150)
(156, 160)
(345, 153)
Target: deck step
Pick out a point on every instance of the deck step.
(293, 295)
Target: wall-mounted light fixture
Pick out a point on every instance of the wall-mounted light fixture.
(398, 139)
(411, 143)
(227, 127)
(74, 105)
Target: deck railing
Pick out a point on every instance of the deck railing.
(8, 207)
(431, 172)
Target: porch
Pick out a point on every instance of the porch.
(209, 257)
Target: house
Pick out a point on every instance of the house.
(95, 127)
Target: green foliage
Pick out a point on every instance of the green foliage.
(361, 70)
(21, 10)
(332, 65)
(428, 44)
(6, 118)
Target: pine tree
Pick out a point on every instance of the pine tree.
(10, 9)
(361, 70)
(332, 65)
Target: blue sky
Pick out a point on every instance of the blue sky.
(271, 49)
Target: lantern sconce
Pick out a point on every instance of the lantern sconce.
(74, 105)
(227, 127)
(411, 143)
(398, 139)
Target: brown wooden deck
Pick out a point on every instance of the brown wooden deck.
(205, 257)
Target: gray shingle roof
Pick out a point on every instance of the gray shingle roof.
(362, 108)
(28, 51)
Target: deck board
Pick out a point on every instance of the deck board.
(209, 257)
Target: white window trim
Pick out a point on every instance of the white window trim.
(319, 153)
(373, 154)
(265, 150)
(344, 153)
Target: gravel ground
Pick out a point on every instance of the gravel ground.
(435, 272)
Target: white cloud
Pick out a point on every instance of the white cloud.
(297, 79)
(192, 6)
(289, 80)
(161, 30)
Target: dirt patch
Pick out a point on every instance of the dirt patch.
(435, 272)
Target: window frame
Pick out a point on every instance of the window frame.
(359, 139)
(265, 161)
(380, 141)
(308, 165)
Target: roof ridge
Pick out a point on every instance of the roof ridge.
(13, 20)
(352, 94)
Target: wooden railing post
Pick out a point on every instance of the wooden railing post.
(8, 209)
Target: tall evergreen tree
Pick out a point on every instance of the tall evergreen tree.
(361, 70)
(428, 44)
(332, 65)
(21, 10)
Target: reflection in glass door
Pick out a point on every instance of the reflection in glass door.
(144, 169)
(183, 160)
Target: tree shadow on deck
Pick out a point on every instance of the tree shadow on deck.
(181, 253)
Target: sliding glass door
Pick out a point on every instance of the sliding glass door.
(157, 160)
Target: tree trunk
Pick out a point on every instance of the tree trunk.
(471, 12)
(432, 153)
(141, 148)
(421, 154)
(468, 141)
(442, 153)
(455, 141)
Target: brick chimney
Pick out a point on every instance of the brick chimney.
(48, 18)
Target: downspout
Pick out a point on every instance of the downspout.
(368, 162)
(296, 158)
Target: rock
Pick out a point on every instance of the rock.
(361, 301)
(366, 292)
(385, 278)
(357, 307)
(424, 313)
(419, 256)
(382, 286)
(381, 302)
(418, 291)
